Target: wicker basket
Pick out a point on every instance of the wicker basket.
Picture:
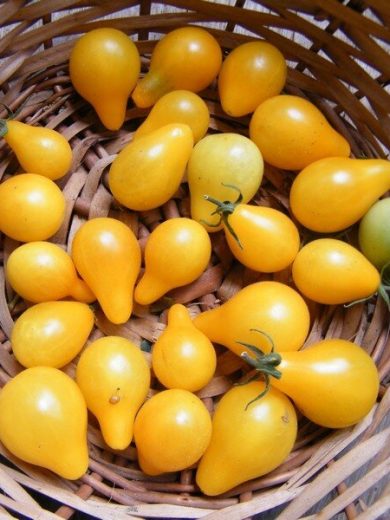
(338, 56)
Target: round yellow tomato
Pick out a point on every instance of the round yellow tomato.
(171, 431)
(43, 421)
(32, 207)
(183, 357)
(51, 333)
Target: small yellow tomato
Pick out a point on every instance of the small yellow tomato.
(248, 440)
(183, 357)
(171, 431)
(148, 171)
(32, 207)
(51, 333)
(43, 421)
(178, 106)
(41, 271)
(104, 67)
(107, 255)
(114, 377)
(38, 149)
(251, 73)
(271, 307)
(177, 253)
(217, 162)
(331, 271)
(291, 132)
(188, 58)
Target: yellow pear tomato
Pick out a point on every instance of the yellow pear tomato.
(51, 333)
(43, 421)
(114, 377)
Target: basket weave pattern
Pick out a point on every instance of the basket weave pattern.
(338, 56)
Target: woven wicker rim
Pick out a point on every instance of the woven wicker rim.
(338, 55)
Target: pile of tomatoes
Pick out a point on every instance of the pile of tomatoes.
(334, 383)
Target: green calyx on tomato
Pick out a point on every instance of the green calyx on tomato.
(384, 287)
(3, 122)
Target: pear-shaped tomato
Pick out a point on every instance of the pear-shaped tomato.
(171, 431)
(218, 162)
(186, 58)
(104, 67)
(32, 207)
(148, 171)
(291, 132)
(331, 271)
(332, 194)
(248, 440)
(51, 333)
(272, 307)
(176, 254)
(43, 421)
(374, 233)
(178, 106)
(41, 271)
(251, 73)
(107, 254)
(114, 377)
(183, 357)
(39, 150)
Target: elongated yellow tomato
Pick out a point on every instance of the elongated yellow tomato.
(106, 253)
(272, 307)
(248, 441)
(178, 106)
(114, 377)
(148, 171)
(219, 160)
(261, 238)
(183, 357)
(104, 67)
(38, 149)
(51, 333)
(43, 421)
(41, 271)
(331, 271)
(333, 382)
(32, 207)
(176, 253)
(187, 58)
(251, 73)
(332, 194)
(291, 132)
(171, 431)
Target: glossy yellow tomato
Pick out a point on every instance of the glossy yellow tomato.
(331, 271)
(332, 194)
(333, 382)
(217, 162)
(178, 106)
(177, 253)
(188, 58)
(114, 377)
(38, 149)
(248, 441)
(43, 421)
(291, 132)
(183, 357)
(32, 207)
(51, 333)
(148, 171)
(272, 307)
(171, 431)
(41, 271)
(104, 67)
(261, 238)
(107, 255)
(251, 73)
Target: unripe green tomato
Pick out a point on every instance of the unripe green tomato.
(374, 233)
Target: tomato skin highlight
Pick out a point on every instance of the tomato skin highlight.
(247, 440)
